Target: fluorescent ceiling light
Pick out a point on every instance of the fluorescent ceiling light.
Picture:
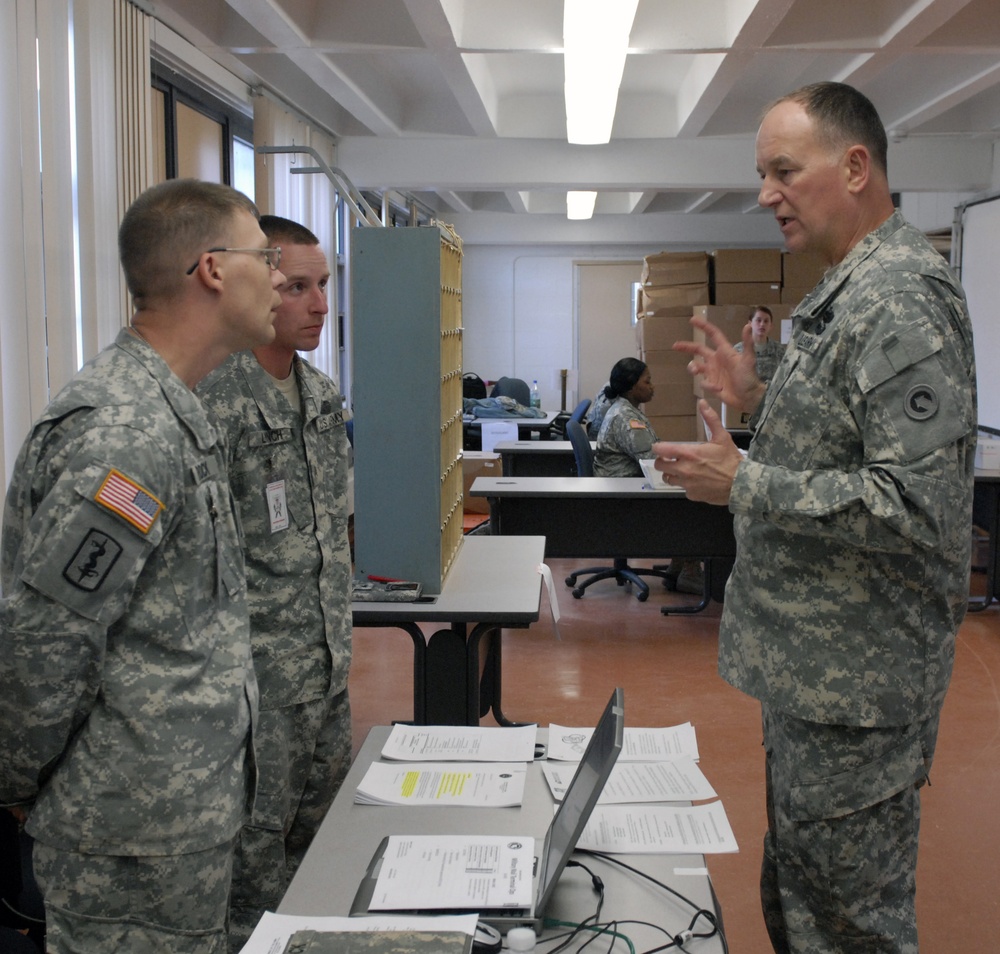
(595, 43)
(580, 205)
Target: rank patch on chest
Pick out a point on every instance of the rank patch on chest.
(127, 499)
(93, 561)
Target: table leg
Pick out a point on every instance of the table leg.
(446, 685)
(484, 691)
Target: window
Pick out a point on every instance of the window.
(198, 135)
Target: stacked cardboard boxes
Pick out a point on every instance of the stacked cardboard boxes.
(747, 276)
(800, 273)
(673, 283)
(672, 410)
(723, 287)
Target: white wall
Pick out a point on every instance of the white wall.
(519, 311)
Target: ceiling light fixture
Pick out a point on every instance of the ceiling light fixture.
(580, 205)
(595, 43)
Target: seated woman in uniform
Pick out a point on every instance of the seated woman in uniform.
(626, 435)
(625, 438)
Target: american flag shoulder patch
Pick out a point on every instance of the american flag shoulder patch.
(126, 498)
(636, 425)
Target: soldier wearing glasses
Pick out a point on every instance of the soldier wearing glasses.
(126, 683)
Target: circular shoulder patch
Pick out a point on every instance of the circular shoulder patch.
(921, 402)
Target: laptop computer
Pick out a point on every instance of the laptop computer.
(561, 837)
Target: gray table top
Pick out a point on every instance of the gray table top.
(493, 578)
(328, 878)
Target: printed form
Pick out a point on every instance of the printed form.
(452, 743)
(497, 785)
(455, 871)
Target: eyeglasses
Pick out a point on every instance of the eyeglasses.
(271, 255)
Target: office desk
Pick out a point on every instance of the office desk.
(537, 458)
(612, 517)
(986, 514)
(526, 426)
(494, 583)
(333, 867)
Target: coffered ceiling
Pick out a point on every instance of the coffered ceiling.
(460, 102)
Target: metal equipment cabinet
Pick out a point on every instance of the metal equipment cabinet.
(407, 307)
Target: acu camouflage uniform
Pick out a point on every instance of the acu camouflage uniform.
(595, 414)
(298, 578)
(766, 357)
(126, 683)
(625, 438)
(853, 514)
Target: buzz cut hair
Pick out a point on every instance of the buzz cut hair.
(843, 117)
(280, 230)
(168, 226)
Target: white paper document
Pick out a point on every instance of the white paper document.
(639, 745)
(456, 743)
(677, 780)
(455, 871)
(496, 785)
(659, 829)
(273, 931)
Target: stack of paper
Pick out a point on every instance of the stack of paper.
(657, 766)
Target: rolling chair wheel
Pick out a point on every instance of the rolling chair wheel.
(643, 596)
(571, 580)
(578, 592)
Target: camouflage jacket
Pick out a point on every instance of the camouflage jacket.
(298, 560)
(626, 437)
(766, 357)
(853, 510)
(595, 414)
(126, 682)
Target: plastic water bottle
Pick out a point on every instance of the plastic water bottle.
(536, 398)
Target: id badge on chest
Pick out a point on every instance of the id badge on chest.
(277, 505)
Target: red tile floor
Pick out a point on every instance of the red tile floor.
(667, 668)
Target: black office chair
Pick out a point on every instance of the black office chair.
(558, 429)
(513, 388)
(620, 571)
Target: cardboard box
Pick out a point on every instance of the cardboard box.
(791, 295)
(478, 464)
(672, 389)
(748, 265)
(676, 268)
(672, 301)
(801, 269)
(747, 293)
(658, 333)
(675, 427)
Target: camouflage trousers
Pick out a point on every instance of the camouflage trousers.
(840, 855)
(171, 904)
(303, 752)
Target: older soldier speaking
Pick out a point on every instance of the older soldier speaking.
(853, 511)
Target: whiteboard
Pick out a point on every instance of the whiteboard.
(980, 273)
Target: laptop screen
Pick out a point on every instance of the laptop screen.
(581, 795)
